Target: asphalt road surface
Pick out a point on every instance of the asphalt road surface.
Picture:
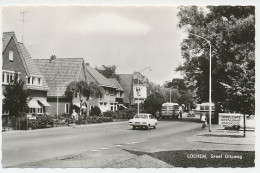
(97, 145)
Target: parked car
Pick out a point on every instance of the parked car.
(191, 114)
(143, 120)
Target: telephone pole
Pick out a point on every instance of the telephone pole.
(23, 13)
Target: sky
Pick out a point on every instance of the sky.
(132, 38)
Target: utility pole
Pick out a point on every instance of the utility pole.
(23, 13)
(170, 95)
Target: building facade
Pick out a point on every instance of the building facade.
(16, 59)
(113, 92)
(59, 72)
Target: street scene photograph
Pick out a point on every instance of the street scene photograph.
(128, 87)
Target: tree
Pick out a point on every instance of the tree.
(154, 102)
(185, 95)
(16, 98)
(83, 89)
(231, 32)
(108, 71)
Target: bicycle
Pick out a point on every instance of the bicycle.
(203, 125)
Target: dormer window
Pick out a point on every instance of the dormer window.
(8, 76)
(11, 56)
(34, 80)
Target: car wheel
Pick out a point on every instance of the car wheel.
(134, 127)
(155, 126)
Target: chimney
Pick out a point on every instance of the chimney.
(53, 57)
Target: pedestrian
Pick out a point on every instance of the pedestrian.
(74, 117)
(204, 121)
(157, 114)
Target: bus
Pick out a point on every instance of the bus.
(170, 110)
(204, 109)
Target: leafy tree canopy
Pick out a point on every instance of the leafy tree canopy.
(107, 71)
(231, 32)
(16, 97)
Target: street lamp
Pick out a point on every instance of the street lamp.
(209, 76)
(138, 108)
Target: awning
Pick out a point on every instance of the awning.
(44, 102)
(78, 105)
(33, 104)
(122, 106)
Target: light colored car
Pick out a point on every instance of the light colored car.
(191, 114)
(143, 120)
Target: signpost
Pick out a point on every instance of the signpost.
(232, 119)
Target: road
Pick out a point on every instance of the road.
(97, 145)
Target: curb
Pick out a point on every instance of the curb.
(62, 127)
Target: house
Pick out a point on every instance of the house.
(119, 90)
(108, 101)
(16, 59)
(126, 82)
(59, 72)
(132, 90)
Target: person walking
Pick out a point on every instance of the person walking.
(157, 114)
(204, 121)
(74, 117)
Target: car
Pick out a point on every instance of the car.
(143, 120)
(191, 114)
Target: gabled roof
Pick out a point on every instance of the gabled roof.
(94, 76)
(126, 82)
(7, 37)
(59, 73)
(32, 68)
(114, 80)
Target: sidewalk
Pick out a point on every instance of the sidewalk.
(219, 135)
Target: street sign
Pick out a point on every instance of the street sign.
(230, 119)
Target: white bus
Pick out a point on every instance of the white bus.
(204, 109)
(170, 110)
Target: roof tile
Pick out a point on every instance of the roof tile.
(59, 73)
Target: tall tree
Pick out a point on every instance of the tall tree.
(107, 71)
(83, 89)
(231, 32)
(154, 102)
(185, 95)
(16, 98)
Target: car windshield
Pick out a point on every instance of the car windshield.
(141, 116)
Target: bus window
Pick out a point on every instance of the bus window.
(176, 107)
(164, 107)
(170, 108)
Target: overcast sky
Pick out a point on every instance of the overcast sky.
(132, 38)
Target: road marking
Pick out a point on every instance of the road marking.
(135, 142)
(104, 148)
(118, 145)
(95, 150)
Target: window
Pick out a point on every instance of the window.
(5, 112)
(40, 110)
(11, 56)
(32, 110)
(32, 80)
(8, 76)
(67, 106)
(39, 81)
